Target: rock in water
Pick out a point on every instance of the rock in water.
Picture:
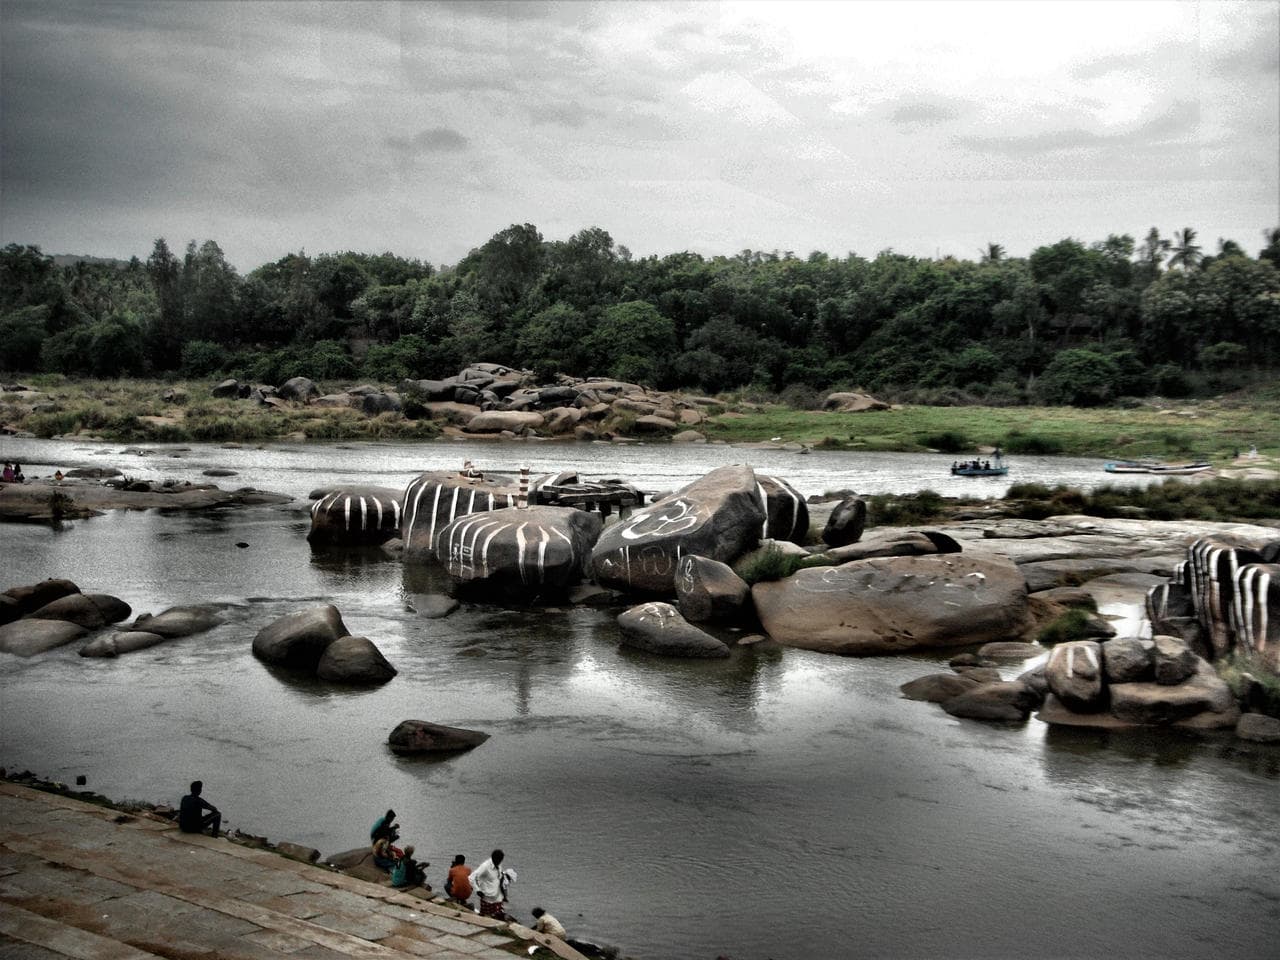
(659, 628)
(354, 660)
(846, 523)
(179, 621)
(518, 553)
(1007, 700)
(894, 604)
(28, 637)
(90, 610)
(1127, 659)
(124, 642)
(1075, 675)
(786, 513)
(300, 639)
(419, 736)
(1159, 703)
(32, 597)
(709, 590)
(355, 515)
(938, 687)
(718, 516)
(433, 500)
(1172, 659)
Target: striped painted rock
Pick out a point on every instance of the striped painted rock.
(1075, 675)
(515, 553)
(719, 516)
(434, 500)
(1212, 565)
(1255, 612)
(355, 515)
(786, 513)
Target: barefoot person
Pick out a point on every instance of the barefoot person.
(191, 815)
(491, 881)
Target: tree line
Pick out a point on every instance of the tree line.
(1070, 323)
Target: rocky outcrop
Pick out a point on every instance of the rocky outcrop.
(495, 421)
(1162, 703)
(718, 516)
(895, 604)
(846, 523)
(1075, 675)
(433, 500)
(355, 515)
(354, 660)
(938, 687)
(1258, 728)
(1255, 617)
(298, 640)
(709, 590)
(518, 553)
(28, 637)
(659, 628)
(412, 737)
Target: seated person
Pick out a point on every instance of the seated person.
(407, 872)
(458, 883)
(544, 922)
(191, 816)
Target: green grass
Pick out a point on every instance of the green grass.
(1075, 624)
(1236, 668)
(1220, 499)
(770, 563)
(904, 510)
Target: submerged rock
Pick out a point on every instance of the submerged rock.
(354, 660)
(659, 628)
(123, 642)
(30, 636)
(421, 736)
(1007, 700)
(938, 687)
(182, 621)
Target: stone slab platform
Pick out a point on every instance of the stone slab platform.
(79, 880)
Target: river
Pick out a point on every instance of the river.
(780, 804)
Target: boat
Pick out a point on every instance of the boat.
(979, 468)
(1163, 469)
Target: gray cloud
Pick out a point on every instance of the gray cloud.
(1177, 123)
(920, 113)
(434, 140)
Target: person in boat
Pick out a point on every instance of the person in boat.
(986, 465)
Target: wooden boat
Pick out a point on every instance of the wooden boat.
(1163, 469)
(969, 470)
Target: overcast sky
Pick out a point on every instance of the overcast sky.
(425, 128)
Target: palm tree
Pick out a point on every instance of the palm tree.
(1185, 250)
(993, 254)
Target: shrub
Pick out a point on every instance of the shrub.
(949, 441)
(770, 563)
(799, 396)
(1031, 444)
(1075, 624)
(888, 510)
(1238, 669)
(200, 358)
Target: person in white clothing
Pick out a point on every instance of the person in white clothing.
(488, 882)
(546, 923)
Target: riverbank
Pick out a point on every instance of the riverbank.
(157, 411)
(98, 880)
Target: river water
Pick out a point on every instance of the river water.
(779, 804)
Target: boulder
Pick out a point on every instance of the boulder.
(1054, 713)
(937, 687)
(652, 423)
(8, 609)
(684, 436)
(331, 401)
(495, 421)
(299, 389)
(1036, 681)
(1010, 650)
(718, 516)
(296, 851)
(29, 636)
(376, 403)
(93, 473)
(433, 500)
(562, 419)
(227, 388)
(431, 606)
(179, 621)
(1158, 703)
(894, 604)
(1067, 597)
(852, 403)
(418, 736)
(897, 543)
(1003, 700)
(118, 643)
(659, 628)
(1259, 728)
(1075, 675)
(354, 660)
(1172, 660)
(300, 639)
(980, 674)
(446, 411)
(355, 515)
(846, 523)
(30, 598)
(358, 863)
(709, 590)
(520, 553)
(1255, 617)
(90, 610)
(786, 513)
(1126, 659)
(429, 390)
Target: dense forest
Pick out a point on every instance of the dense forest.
(1074, 323)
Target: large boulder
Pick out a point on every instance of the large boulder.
(354, 660)
(1255, 617)
(495, 421)
(29, 636)
(355, 515)
(709, 590)
(1157, 703)
(1127, 659)
(433, 500)
(1171, 610)
(1172, 660)
(298, 388)
(718, 516)
(1001, 700)
(521, 553)
(659, 628)
(115, 644)
(299, 639)
(1075, 675)
(852, 403)
(897, 543)
(895, 604)
(419, 736)
(227, 388)
(180, 621)
(786, 513)
(30, 598)
(90, 610)
(846, 523)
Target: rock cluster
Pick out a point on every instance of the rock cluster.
(42, 616)
(316, 641)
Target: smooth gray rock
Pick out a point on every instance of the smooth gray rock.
(1004, 700)
(1127, 660)
(659, 628)
(938, 687)
(1010, 650)
(125, 641)
(298, 388)
(180, 621)
(1074, 673)
(709, 590)
(432, 606)
(1173, 660)
(28, 637)
(897, 543)
(846, 523)
(354, 660)
(1156, 703)
(295, 851)
(299, 639)
(352, 515)
(1259, 728)
(227, 388)
(89, 610)
(31, 597)
(420, 736)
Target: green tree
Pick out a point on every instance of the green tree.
(22, 331)
(637, 333)
(555, 341)
(1078, 378)
(1186, 252)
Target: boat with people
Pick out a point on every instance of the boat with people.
(980, 468)
(1154, 466)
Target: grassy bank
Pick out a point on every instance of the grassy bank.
(1212, 429)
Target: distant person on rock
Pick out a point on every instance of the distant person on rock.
(191, 815)
(544, 922)
(492, 882)
(385, 822)
(458, 883)
(7, 476)
(17, 474)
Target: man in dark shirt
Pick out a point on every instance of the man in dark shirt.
(191, 819)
